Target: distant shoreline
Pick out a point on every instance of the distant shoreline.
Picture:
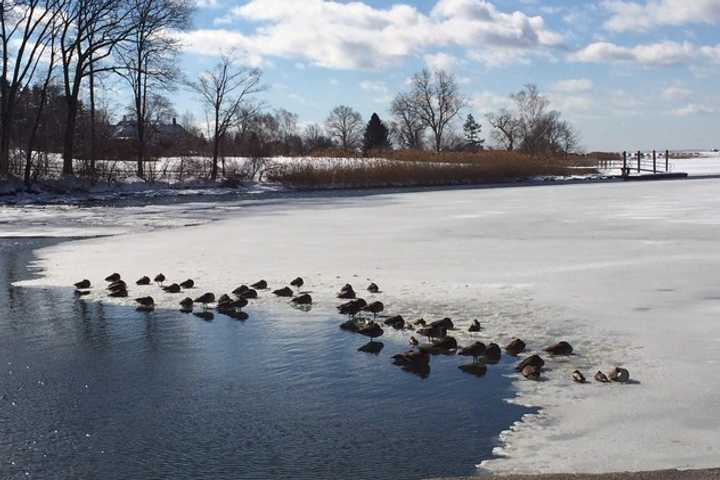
(706, 474)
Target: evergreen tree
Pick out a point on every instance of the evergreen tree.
(376, 135)
(472, 133)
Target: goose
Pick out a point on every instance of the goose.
(397, 322)
(560, 349)
(146, 303)
(143, 281)
(444, 346)
(493, 353)
(531, 372)
(445, 323)
(476, 350)
(411, 358)
(83, 284)
(476, 368)
(227, 304)
(303, 299)
(620, 375)
(578, 377)
(224, 299)
(261, 285)
(373, 288)
(187, 284)
(119, 285)
(374, 308)
(159, 279)
(174, 288)
(249, 293)
(186, 304)
(284, 292)
(372, 330)
(112, 278)
(516, 347)
(432, 332)
(601, 377)
(475, 327)
(240, 290)
(532, 360)
(346, 293)
(205, 299)
(352, 307)
(421, 323)
(298, 282)
(414, 342)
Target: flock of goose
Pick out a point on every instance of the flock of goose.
(363, 320)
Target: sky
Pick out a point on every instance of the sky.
(629, 75)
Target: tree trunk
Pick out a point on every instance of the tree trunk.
(92, 120)
(69, 141)
(216, 154)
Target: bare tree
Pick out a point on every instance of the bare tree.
(148, 57)
(506, 128)
(407, 126)
(26, 29)
(223, 91)
(437, 100)
(345, 126)
(91, 31)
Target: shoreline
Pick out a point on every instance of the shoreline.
(704, 474)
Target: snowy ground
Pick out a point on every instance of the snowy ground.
(628, 273)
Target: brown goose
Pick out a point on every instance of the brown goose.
(119, 285)
(159, 279)
(352, 307)
(443, 346)
(284, 292)
(493, 353)
(346, 293)
(186, 304)
(531, 372)
(205, 299)
(372, 330)
(476, 350)
(560, 349)
(112, 278)
(533, 360)
(374, 308)
(187, 284)
(475, 327)
(249, 294)
(143, 281)
(261, 285)
(304, 299)
(445, 323)
(516, 347)
(397, 322)
(601, 377)
(240, 290)
(174, 288)
(146, 303)
(373, 288)
(298, 282)
(433, 332)
(83, 285)
(620, 375)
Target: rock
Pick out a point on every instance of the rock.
(620, 375)
(516, 347)
(532, 360)
(560, 349)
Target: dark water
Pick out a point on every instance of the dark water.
(100, 391)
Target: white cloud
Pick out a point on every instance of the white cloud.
(441, 61)
(356, 35)
(676, 93)
(634, 16)
(662, 53)
(573, 85)
(487, 102)
(695, 109)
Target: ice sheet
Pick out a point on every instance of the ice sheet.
(628, 273)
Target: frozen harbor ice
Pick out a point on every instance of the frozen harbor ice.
(626, 272)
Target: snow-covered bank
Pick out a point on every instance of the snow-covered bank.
(626, 272)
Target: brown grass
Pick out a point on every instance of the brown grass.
(408, 168)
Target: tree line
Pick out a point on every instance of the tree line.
(57, 55)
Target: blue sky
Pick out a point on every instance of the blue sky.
(628, 74)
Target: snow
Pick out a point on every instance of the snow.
(626, 272)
